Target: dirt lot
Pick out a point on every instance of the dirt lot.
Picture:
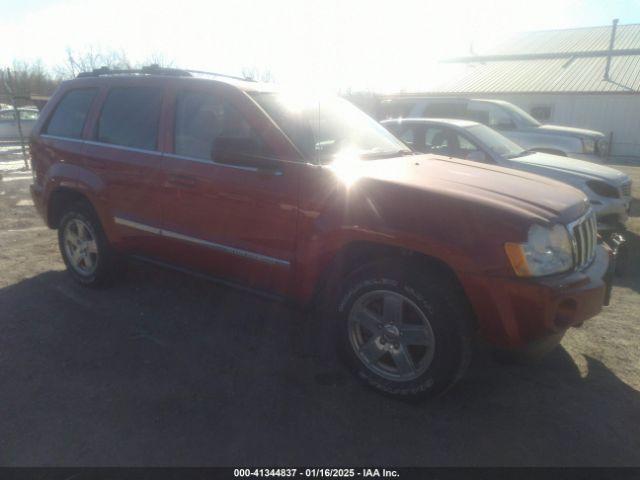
(165, 369)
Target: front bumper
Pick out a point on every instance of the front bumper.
(612, 213)
(514, 312)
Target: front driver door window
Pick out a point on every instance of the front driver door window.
(468, 150)
(232, 200)
(440, 141)
(411, 135)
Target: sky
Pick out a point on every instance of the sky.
(362, 44)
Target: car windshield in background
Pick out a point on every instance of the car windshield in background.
(325, 128)
(496, 142)
(25, 114)
(523, 116)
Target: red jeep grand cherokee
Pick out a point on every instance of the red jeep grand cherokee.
(409, 255)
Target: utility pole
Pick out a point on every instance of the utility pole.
(612, 41)
(9, 84)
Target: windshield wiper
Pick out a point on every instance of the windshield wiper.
(388, 154)
(523, 153)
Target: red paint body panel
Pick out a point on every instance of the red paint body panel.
(280, 226)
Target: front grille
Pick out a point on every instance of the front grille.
(626, 189)
(584, 232)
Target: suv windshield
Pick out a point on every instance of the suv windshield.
(327, 127)
(522, 116)
(496, 142)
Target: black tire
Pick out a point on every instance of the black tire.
(107, 263)
(442, 304)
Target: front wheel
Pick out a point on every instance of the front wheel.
(404, 333)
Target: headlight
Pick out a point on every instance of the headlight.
(603, 146)
(547, 250)
(603, 189)
(588, 145)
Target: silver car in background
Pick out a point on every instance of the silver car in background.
(9, 125)
(510, 120)
(608, 189)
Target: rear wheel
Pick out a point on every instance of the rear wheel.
(84, 247)
(404, 333)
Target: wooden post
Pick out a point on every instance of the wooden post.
(17, 114)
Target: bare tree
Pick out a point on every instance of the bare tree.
(27, 78)
(91, 59)
(159, 59)
(257, 74)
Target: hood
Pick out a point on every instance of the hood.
(576, 132)
(519, 192)
(565, 168)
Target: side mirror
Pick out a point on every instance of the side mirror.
(476, 156)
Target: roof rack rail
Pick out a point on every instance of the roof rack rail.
(157, 70)
(148, 70)
(224, 75)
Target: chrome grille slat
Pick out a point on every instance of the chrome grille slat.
(589, 240)
(626, 189)
(584, 239)
(594, 236)
(582, 248)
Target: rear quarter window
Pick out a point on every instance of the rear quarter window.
(445, 110)
(130, 117)
(71, 113)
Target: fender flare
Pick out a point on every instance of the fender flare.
(77, 179)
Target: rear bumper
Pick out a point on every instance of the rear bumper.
(514, 312)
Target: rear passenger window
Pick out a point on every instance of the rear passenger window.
(208, 127)
(130, 117)
(70, 114)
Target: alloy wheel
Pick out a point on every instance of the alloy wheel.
(80, 246)
(390, 335)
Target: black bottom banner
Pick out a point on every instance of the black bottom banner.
(443, 473)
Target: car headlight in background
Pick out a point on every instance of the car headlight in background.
(603, 189)
(588, 145)
(548, 250)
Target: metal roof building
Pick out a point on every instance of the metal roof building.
(582, 77)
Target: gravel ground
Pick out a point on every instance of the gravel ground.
(164, 369)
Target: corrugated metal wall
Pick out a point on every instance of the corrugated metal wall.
(617, 113)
